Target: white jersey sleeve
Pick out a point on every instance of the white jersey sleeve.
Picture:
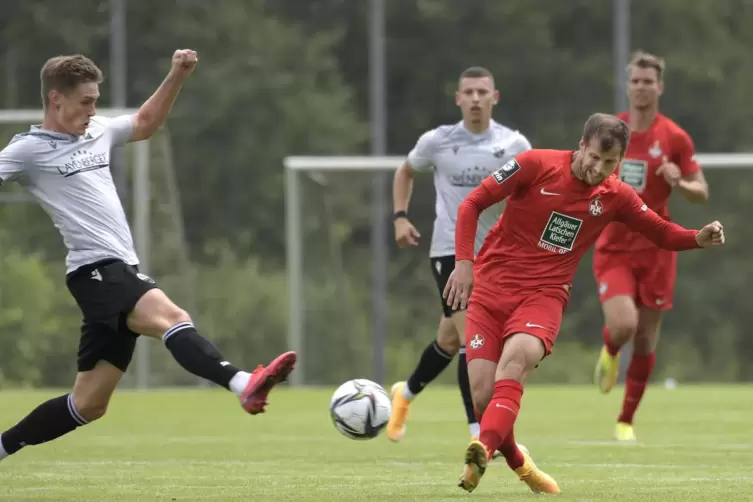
(421, 158)
(13, 160)
(119, 128)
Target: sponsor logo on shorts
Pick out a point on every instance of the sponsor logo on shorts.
(476, 342)
(504, 172)
(633, 172)
(560, 233)
(603, 286)
(145, 278)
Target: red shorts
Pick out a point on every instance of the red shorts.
(493, 316)
(646, 276)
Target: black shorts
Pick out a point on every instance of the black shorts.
(441, 268)
(106, 292)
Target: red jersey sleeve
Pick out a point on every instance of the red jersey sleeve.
(513, 176)
(640, 218)
(683, 151)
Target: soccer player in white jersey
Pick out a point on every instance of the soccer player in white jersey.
(64, 164)
(461, 156)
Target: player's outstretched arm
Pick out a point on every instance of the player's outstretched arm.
(155, 110)
(665, 234)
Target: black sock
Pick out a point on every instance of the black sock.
(433, 361)
(465, 386)
(46, 422)
(197, 355)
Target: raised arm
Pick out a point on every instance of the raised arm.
(665, 234)
(154, 111)
(511, 177)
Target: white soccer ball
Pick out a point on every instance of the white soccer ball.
(360, 409)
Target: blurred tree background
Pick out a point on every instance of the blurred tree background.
(285, 77)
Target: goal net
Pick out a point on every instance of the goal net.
(329, 257)
(34, 257)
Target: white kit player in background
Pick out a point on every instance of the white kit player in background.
(461, 156)
(65, 164)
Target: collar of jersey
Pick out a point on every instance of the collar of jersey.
(36, 130)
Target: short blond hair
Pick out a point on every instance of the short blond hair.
(65, 73)
(642, 59)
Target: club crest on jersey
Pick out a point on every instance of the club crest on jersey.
(504, 172)
(498, 152)
(595, 207)
(655, 150)
(476, 342)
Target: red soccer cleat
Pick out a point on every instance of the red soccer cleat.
(254, 398)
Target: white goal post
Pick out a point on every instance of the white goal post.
(141, 213)
(294, 165)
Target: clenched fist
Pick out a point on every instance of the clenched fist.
(184, 61)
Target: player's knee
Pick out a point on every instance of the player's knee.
(155, 313)
(481, 379)
(622, 328)
(482, 393)
(89, 407)
(175, 315)
(447, 337)
(450, 344)
(516, 368)
(644, 343)
(520, 355)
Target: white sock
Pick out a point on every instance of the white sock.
(475, 428)
(3, 453)
(407, 394)
(239, 382)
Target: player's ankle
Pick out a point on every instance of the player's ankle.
(239, 382)
(3, 453)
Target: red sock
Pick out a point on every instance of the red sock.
(638, 374)
(499, 417)
(612, 347)
(511, 452)
(478, 416)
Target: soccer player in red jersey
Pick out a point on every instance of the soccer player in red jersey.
(558, 202)
(635, 277)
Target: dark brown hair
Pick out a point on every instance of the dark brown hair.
(641, 59)
(609, 129)
(65, 73)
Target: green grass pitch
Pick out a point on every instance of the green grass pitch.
(695, 443)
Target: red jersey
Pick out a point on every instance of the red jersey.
(638, 169)
(550, 220)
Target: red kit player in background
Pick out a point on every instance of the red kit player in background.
(636, 278)
(558, 204)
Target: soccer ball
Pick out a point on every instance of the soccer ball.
(360, 409)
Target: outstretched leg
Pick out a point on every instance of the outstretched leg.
(157, 316)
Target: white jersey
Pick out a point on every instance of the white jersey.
(70, 178)
(461, 161)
